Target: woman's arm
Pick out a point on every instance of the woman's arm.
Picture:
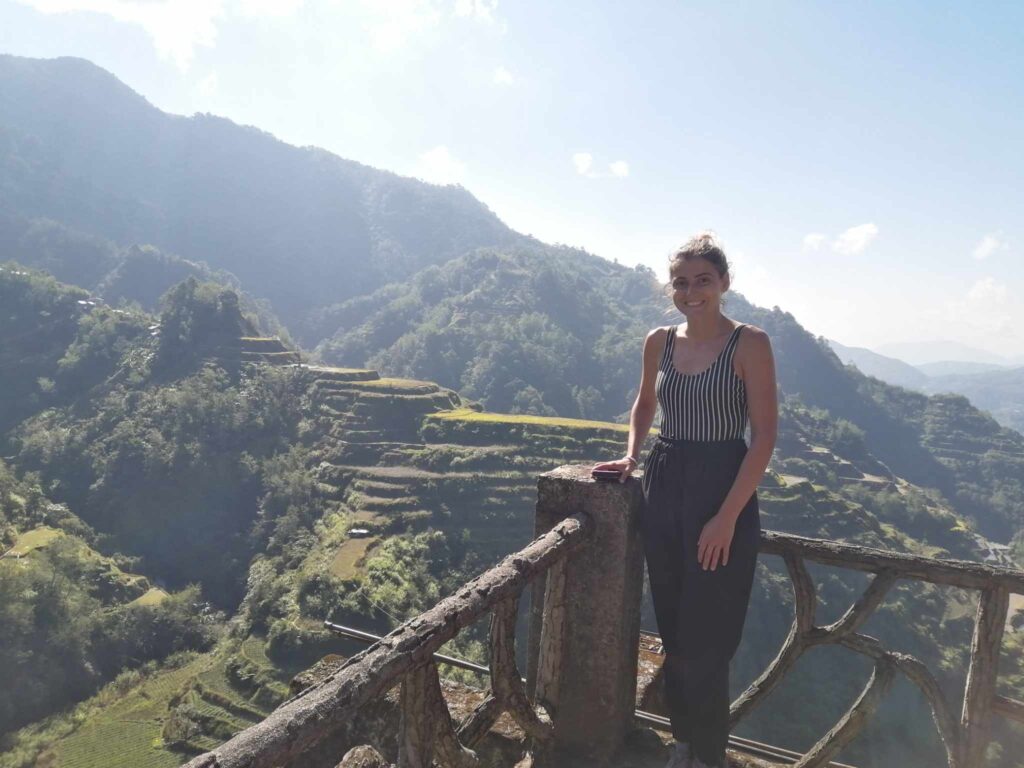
(758, 367)
(644, 407)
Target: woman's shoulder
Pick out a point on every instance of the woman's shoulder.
(753, 333)
(660, 332)
(656, 342)
(753, 348)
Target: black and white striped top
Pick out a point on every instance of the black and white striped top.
(710, 405)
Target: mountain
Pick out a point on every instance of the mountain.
(999, 392)
(990, 387)
(552, 331)
(923, 352)
(298, 226)
(888, 369)
(958, 368)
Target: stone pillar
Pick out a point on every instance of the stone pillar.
(585, 618)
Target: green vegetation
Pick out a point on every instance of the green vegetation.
(506, 419)
(70, 620)
(119, 726)
(32, 540)
(533, 330)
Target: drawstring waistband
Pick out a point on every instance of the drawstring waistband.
(681, 441)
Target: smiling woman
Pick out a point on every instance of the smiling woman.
(701, 522)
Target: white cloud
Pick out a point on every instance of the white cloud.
(481, 10)
(503, 77)
(855, 239)
(267, 8)
(208, 86)
(987, 292)
(583, 162)
(619, 168)
(813, 241)
(985, 308)
(176, 26)
(394, 22)
(989, 244)
(438, 166)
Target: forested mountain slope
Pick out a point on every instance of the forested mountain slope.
(993, 388)
(998, 392)
(291, 495)
(298, 226)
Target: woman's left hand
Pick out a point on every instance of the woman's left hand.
(715, 539)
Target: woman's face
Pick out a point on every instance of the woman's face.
(696, 286)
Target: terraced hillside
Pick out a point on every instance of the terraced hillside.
(158, 719)
(403, 454)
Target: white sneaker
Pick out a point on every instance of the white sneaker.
(680, 757)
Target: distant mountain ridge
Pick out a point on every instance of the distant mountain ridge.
(989, 386)
(943, 350)
(890, 369)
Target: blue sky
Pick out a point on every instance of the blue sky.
(862, 162)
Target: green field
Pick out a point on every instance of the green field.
(469, 415)
(153, 596)
(126, 734)
(126, 730)
(346, 560)
(32, 540)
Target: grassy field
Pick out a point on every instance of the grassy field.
(346, 560)
(153, 596)
(34, 539)
(466, 414)
(126, 734)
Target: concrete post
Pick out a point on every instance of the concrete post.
(584, 636)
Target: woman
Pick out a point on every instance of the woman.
(700, 522)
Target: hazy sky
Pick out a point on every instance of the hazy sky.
(861, 161)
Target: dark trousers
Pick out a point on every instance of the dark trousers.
(700, 613)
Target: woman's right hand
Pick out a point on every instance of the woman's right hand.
(623, 466)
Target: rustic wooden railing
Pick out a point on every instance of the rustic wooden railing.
(585, 569)
(406, 655)
(965, 739)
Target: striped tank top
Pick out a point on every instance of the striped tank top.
(711, 405)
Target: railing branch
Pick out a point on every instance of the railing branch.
(918, 673)
(1009, 708)
(479, 721)
(804, 595)
(993, 605)
(854, 720)
(506, 684)
(861, 611)
(450, 751)
(416, 728)
(955, 573)
(804, 601)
